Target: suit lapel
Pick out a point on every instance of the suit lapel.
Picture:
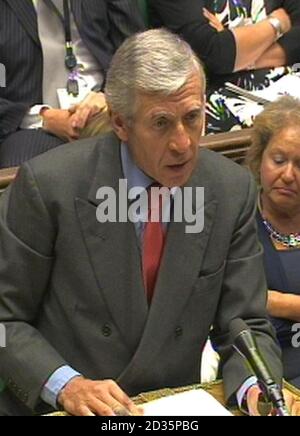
(27, 16)
(115, 259)
(114, 253)
(181, 265)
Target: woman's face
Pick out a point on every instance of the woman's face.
(280, 170)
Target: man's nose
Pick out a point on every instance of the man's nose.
(181, 141)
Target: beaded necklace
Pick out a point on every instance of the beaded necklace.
(291, 241)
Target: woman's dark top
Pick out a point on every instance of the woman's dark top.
(217, 50)
(283, 274)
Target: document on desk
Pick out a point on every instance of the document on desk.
(196, 402)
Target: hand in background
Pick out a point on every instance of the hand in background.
(284, 19)
(213, 20)
(83, 397)
(83, 112)
(59, 123)
(291, 401)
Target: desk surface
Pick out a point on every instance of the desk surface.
(214, 388)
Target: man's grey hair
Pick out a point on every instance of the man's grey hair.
(155, 62)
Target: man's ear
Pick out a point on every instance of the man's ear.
(204, 117)
(119, 125)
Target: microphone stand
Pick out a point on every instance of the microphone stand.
(273, 394)
(245, 344)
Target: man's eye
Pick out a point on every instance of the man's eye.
(193, 117)
(161, 123)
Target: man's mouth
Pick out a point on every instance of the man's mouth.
(177, 167)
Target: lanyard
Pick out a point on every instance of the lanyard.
(65, 18)
(70, 58)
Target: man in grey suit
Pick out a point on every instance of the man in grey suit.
(32, 48)
(80, 331)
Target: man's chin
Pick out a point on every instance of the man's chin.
(176, 181)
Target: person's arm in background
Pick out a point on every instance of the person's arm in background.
(275, 56)
(290, 42)
(247, 48)
(253, 41)
(11, 116)
(222, 51)
(287, 50)
(15, 116)
(59, 122)
(282, 305)
(217, 50)
(125, 19)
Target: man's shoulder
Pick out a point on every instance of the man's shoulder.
(220, 168)
(223, 179)
(69, 170)
(73, 159)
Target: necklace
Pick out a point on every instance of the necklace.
(290, 241)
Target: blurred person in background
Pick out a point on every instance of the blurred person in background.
(53, 94)
(274, 158)
(250, 43)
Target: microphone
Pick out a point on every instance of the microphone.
(245, 344)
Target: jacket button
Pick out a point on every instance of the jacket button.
(106, 330)
(178, 332)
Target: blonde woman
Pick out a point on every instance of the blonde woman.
(275, 161)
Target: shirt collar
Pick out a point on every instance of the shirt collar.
(134, 175)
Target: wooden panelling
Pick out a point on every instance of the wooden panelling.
(233, 145)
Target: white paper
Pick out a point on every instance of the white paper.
(66, 101)
(287, 85)
(246, 111)
(196, 402)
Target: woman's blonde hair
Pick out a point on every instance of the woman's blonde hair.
(277, 116)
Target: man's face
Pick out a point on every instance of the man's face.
(164, 135)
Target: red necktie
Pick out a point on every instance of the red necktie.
(153, 244)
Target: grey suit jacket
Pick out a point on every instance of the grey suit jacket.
(102, 24)
(71, 289)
